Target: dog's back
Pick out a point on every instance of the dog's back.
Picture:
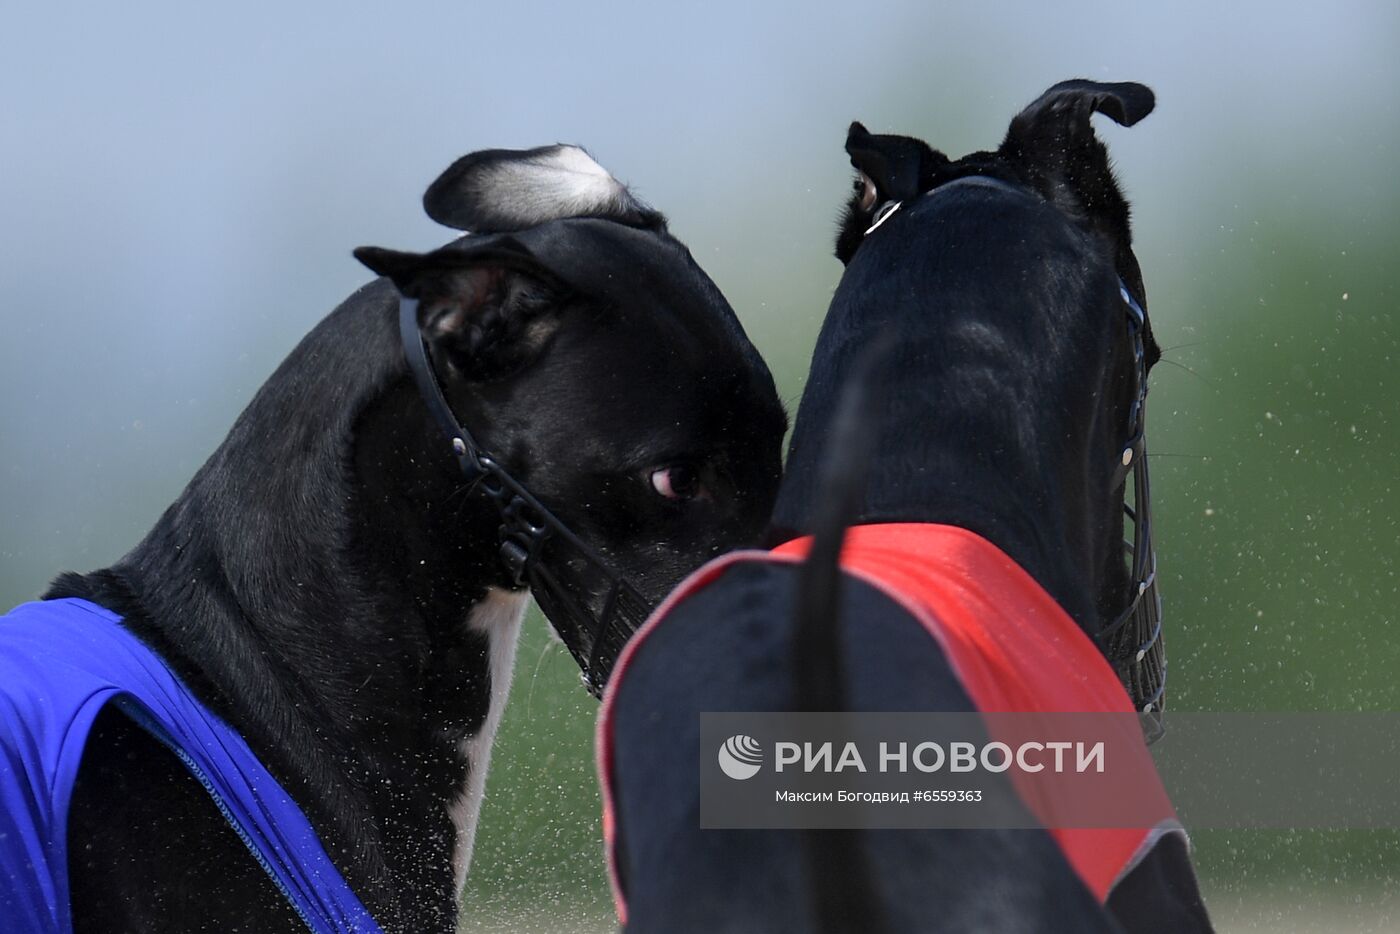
(737, 639)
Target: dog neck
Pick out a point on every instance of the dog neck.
(1001, 409)
(324, 586)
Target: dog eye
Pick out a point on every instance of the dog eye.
(867, 190)
(678, 482)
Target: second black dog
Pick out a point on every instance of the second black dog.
(1008, 401)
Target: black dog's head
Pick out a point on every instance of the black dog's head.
(1050, 149)
(582, 346)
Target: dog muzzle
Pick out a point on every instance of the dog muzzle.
(1133, 641)
(592, 607)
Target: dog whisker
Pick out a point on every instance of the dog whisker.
(1181, 366)
(534, 678)
(458, 496)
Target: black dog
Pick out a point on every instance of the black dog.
(332, 587)
(1009, 397)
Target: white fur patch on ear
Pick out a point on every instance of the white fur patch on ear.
(499, 190)
(561, 182)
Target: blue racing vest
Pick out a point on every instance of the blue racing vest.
(61, 661)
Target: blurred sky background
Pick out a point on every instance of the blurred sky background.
(181, 186)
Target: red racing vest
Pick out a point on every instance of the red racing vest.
(1011, 646)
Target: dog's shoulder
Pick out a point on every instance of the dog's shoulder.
(134, 811)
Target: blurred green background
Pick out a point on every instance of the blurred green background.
(181, 187)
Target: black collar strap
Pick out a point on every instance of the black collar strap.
(464, 447)
(882, 214)
(526, 525)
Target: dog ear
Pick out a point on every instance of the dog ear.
(1054, 137)
(502, 190)
(1052, 143)
(1067, 106)
(889, 168)
(898, 167)
(487, 311)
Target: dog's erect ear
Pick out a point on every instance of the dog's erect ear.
(1052, 143)
(890, 168)
(503, 190)
(488, 310)
(899, 167)
(1054, 137)
(1066, 107)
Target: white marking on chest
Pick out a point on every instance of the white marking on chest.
(498, 617)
